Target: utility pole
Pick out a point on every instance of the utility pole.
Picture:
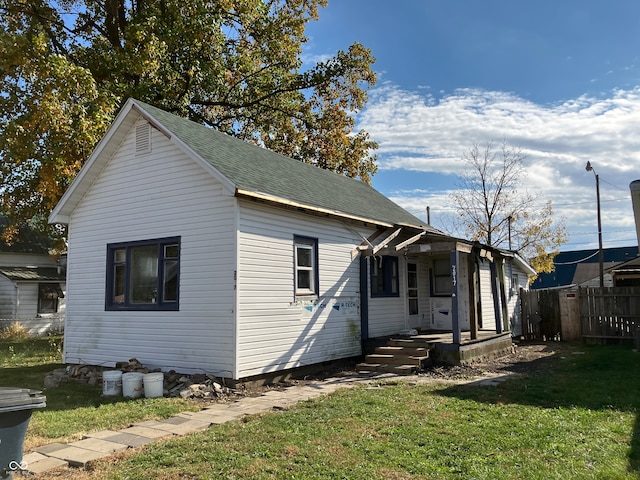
(589, 168)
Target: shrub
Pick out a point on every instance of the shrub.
(15, 331)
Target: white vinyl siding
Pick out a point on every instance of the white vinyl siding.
(276, 331)
(486, 294)
(513, 295)
(387, 314)
(8, 298)
(27, 300)
(424, 304)
(141, 197)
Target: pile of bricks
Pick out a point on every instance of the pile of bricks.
(198, 386)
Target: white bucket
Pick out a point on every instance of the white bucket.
(132, 384)
(153, 384)
(111, 383)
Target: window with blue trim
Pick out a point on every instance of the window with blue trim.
(384, 276)
(143, 275)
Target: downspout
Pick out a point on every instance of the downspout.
(16, 300)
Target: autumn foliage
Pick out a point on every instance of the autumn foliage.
(234, 65)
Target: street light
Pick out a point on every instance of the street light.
(589, 168)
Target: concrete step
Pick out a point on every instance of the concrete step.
(394, 359)
(414, 351)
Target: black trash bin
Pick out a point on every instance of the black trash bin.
(16, 405)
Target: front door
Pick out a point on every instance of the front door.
(413, 309)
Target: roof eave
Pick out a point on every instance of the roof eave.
(324, 211)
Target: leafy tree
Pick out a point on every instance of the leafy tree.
(493, 211)
(235, 65)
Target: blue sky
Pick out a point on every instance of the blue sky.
(559, 80)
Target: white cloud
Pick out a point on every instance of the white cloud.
(418, 132)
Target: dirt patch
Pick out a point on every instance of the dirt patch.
(527, 358)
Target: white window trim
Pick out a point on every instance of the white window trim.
(310, 244)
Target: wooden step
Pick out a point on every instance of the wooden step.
(410, 342)
(386, 368)
(394, 359)
(413, 351)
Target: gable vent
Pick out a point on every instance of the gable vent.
(143, 138)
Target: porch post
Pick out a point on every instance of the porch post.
(455, 320)
(364, 299)
(473, 294)
(495, 290)
(503, 296)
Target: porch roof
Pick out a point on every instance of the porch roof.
(33, 274)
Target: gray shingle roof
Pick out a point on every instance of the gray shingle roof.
(261, 171)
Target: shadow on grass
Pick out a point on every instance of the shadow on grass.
(591, 377)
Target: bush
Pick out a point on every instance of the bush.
(15, 331)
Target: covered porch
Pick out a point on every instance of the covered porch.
(453, 303)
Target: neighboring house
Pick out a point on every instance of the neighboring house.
(192, 250)
(625, 274)
(581, 267)
(32, 284)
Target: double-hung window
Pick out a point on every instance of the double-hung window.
(143, 275)
(48, 295)
(441, 283)
(306, 266)
(384, 276)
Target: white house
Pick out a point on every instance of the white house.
(32, 284)
(192, 250)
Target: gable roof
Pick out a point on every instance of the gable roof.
(249, 170)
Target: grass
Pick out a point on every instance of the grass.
(407, 431)
(73, 409)
(578, 419)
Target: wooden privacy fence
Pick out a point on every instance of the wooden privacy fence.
(609, 312)
(540, 314)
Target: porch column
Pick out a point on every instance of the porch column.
(455, 320)
(473, 294)
(503, 296)
(364, 299)
(495, 290)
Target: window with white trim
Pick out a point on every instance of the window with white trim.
(515, 287)
(306, 266)
(143, 275)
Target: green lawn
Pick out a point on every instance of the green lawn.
(577, 420)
